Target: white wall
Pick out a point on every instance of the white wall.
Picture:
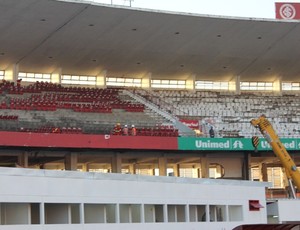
(288, 210)
(119, 193)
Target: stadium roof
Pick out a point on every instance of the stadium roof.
(85, 38)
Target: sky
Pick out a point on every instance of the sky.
(236, 8)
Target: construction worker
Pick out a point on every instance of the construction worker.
(211, 132)
(133, 131)
(125, 130)
(117, 129)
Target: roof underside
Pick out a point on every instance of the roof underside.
(85, 39)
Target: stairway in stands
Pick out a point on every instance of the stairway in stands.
(183, 129)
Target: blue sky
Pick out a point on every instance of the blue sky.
(238, 8)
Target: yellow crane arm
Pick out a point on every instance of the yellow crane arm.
(279, 150)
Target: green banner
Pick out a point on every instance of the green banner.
(232, 144)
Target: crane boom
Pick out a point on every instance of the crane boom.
(279, 150)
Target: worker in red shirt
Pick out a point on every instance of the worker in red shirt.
(117, 129)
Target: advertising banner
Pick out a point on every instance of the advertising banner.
(193, 124)
(286, 10)
(232, 144)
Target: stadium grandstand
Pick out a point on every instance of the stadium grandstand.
(103, 89)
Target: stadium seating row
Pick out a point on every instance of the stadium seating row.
(67, 130)
(151, 131)
(79, 99)
(9, 117)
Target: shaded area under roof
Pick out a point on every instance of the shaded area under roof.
(85, 39)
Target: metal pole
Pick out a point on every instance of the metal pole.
(292, 188)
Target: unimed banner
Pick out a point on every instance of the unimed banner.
(232, 144)
(286, 10)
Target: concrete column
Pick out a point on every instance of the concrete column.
(198, 172)
(85, 167)
(71, 161)
(146, 80)
(132, 168)
(207, 213)
(153, 171)
(165, 211)
(56, 76)
(142, 211)
(277, 86)
(162, 166)
(117, 213)
(190, 82)
(69, 214)
(42, 213)
(204, 167)
(237, 85)
(116, 164)
(263, 171)
(176, 170)
(197, 168)
(23, 160)
(11, 73)
(226, 213)
(187, 213)
(101, 79)
(81, 213)
(246, 173)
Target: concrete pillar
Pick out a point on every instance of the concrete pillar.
(85, 167)
(71, 160)
(165, 212)
(81, 213)
(153, 171)
(187, 213)
(11, 73)
(204, 167)
(198, 168)
(162, 166)
(116, 164)
(190, 82)
(23, 160)
(69, 214)
(117, 213)
(277, 86)
(132, 168)
(101, 79)
(146, 81)
(207, 216)
(176, 170)
(42, 213)
(142, 211)
(237, 85)
(263, 171)
(246, 171)
(56, 76)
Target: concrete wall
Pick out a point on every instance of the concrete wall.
(284, 211)
(70, 199)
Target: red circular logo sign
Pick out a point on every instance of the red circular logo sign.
(287, 11)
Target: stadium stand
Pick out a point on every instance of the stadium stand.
(77, 109)
(230, 113)
(44, 107)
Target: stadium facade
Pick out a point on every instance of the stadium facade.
(71, 70)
